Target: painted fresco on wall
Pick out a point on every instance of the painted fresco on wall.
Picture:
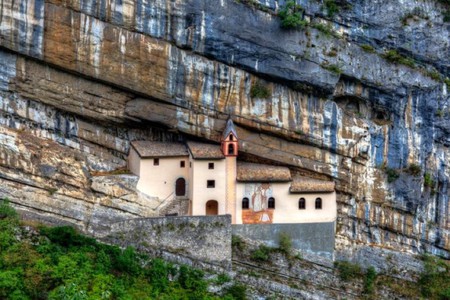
(258, 195)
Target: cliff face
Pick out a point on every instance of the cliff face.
(80, 79)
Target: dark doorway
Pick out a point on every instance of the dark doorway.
(230, 149)
(180, 187)
(212, 208)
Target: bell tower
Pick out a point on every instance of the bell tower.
(230, 140)
(230, 151)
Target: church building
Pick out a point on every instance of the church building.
(207, 179)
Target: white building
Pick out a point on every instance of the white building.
(206, 179)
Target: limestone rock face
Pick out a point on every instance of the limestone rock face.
(81, 79)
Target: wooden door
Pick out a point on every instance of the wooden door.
(212, 208)
(180, 187)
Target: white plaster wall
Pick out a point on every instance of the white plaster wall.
(134, 162)
(201, 194)
(159, 181)
(286, 205)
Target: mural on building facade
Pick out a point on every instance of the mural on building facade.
(258, 212)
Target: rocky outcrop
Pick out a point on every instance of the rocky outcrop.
(106, 73)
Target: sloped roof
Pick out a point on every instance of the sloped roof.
(229, 128)
(148, 149)
(249, 172)
(308, 185)
(205, 151)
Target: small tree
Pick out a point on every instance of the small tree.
(291, 15)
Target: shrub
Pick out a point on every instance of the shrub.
(192, 280)
(428, 180)
(348, 270)
(325, 29)
(6, 211)
(333, 68)
(285, 243)
(369, 280)
(258, 90)
(237, 242)
(223, 278)
(414, 169)
(434, 75)
(367, 48)
(331, 7)
(291, 15)
(158, 274)
(66, 236)
(392, 174)
(262, 253)
(394, 57)
(236, 291)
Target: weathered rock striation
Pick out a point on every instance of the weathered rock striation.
(81, 79)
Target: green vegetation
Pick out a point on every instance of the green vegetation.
(395, 57)
(434, 75)
(392, 174)
(237, 242)
(435, 280)
(236, 291)
(447, 82)
(285, 244)
(259, 90)
(347, 270)
(428, 180)
(440, 113)
(223, 278)
(327, 30)
(332, 68)
(367, 48)
(369, 281)
(253, 3)
(62, 264)
(262, 253)
(331, 7)
(414, 169)
(291, 15)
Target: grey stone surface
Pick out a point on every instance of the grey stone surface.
(202, 238)
(315, 238)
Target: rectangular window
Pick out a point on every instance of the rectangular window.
(156, 161)
(210, 184)
(182, 164)
(210, 166)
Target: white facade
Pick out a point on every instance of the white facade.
(200, 192)
(159, 179)
(286, 204)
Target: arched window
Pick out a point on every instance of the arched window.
(231, 137)
(245, 203)
(271, 203)
(230, 149)
(318, 203)
(302, 203)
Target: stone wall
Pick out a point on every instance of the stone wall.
(200, 238)
(313, 238)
